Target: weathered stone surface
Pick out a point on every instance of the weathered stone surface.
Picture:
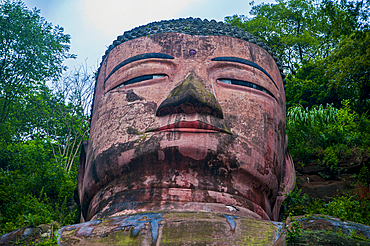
(326, 230)
(196, 228)
(168, 129)
(168, 228)
(26, 235)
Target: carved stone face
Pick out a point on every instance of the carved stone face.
(190, 123)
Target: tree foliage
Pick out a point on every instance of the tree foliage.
(67, 121)
(343, 75)
(41, 128)
(347, 207)
(31, 52)
(300, 30)
(348, 70)
(34, 189)
(39, 155)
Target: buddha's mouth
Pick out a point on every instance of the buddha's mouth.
(190, 126)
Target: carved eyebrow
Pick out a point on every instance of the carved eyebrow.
(137, 58)
(245, 62)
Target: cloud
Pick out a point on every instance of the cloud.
(111, 15)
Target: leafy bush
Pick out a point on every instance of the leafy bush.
(305, 130)
(351, 208)
(294, 231)
(326, 133)
(34, 189)
(295, 202)
(346, 208)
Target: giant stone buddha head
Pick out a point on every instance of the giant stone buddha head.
(188, 115)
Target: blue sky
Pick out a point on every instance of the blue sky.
(94, 24)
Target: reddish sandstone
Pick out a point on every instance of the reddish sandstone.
(185, 140)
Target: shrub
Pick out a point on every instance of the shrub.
(348, 207)
(326, 133)
(34, 189)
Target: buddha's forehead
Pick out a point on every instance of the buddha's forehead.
(179, 46)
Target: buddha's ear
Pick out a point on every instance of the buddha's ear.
(287, 184)
(81, 174)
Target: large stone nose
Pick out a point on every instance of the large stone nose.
(190, 97)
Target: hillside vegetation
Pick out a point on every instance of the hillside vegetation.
(324, 47)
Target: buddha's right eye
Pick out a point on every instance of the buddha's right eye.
(139, 79)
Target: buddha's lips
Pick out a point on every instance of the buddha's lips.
(189, 126)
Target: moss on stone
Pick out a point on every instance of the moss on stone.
(192, 94)
(324, 237)
(203, 228)
(69, 232)
(131, 130)
(181, 228)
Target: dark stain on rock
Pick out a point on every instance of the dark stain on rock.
(151, 145)
(103, 161)
(170, 43)
(248, 151)
(214, 173)
(131, 96)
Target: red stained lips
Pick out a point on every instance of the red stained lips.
(189, 126)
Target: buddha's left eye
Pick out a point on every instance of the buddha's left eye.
(246, 84)
(140, 78)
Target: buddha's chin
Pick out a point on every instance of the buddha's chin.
(175, 179)
(172, 199)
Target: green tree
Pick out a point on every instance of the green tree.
(323, 46)
(348, 70)
(38, 171)
(67, 119)
(41, 128)
(310, 86)
(32, 51)
(343, 75)
(300, 30)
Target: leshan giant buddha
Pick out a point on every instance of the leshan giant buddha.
(188, 115)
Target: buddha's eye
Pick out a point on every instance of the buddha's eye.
(140, 78)
(245, 83)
